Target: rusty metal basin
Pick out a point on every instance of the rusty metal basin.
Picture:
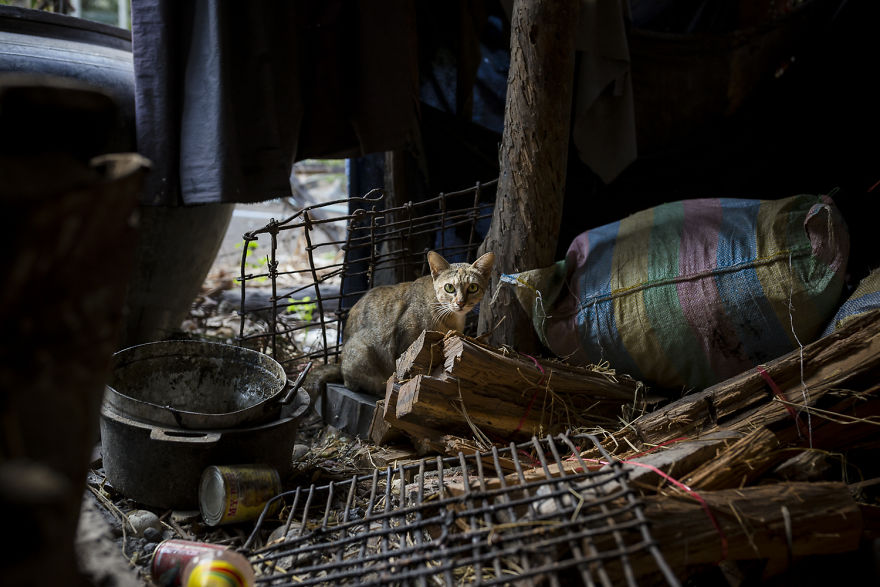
(195, 385)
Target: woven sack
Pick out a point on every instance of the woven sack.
(865, 298)
(689, 293)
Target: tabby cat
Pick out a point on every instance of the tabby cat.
(388, 318)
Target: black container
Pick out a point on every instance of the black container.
(196, 385)
(162, 467)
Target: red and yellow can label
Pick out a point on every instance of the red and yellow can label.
(216, 573)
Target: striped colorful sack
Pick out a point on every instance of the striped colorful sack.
(865, 298)
(689, 293)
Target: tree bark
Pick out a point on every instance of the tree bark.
(533, 158)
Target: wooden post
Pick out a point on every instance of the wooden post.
(533, 158)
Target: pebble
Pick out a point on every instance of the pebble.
(143, 519)
(278, 535)
(300, 451)
(152, 534)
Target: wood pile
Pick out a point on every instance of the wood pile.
(773, 464)
(454, 385)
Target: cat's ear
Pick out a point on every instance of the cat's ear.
(484, 264)
(437, 263)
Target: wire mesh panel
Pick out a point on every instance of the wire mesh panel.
(529, 513)
(300, 275)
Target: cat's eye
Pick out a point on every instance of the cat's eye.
(449, 288)
(473, 288)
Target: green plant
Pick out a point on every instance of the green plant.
(304, 308)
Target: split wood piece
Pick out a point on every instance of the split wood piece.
(381, 432)
(423, 438)
(442, 404)
(740, 463)
(488, 369)
(846, 359)
(423, 356)
(821, 518)
(392, 456)
(478, 391)
(679, 459)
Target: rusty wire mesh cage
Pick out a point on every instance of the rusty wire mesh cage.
(300, 275)
(530, 513)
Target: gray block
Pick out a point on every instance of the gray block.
(346, 410)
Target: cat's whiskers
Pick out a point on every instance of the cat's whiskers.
(440, 310)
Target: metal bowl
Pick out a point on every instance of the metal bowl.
(196, 385)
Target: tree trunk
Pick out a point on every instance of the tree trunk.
(533, 158)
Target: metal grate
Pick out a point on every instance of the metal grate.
(529, 513)
(294, 301)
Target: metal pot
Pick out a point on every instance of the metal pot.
(161, 466)
(194, 385)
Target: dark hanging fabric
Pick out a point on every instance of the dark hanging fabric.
(229, 95)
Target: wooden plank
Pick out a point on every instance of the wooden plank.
(488, 369)
(423, 438)
(679, 459)
(381, 431)
(423, 356)
(441, 404)
(740, 463)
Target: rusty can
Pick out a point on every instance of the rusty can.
(172, 556)
(230, 494)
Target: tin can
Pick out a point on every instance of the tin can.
(220, 569)
(230, 494)
(172, 556)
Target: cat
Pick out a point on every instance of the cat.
(388, 318)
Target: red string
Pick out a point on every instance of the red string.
(525, 415)
(687, 490)
(657, 447)
(674, 481)
(871, 189)
(781, 396)
(697, 497)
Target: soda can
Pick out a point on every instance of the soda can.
(172, 556)
(230, 494)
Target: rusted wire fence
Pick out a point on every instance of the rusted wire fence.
(527, 514)
(322, 258)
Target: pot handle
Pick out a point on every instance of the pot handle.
(184, 437)
(292, 387)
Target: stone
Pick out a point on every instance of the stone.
(141, 520)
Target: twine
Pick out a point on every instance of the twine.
(786, 404)
(804, 391)
(669, 478)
